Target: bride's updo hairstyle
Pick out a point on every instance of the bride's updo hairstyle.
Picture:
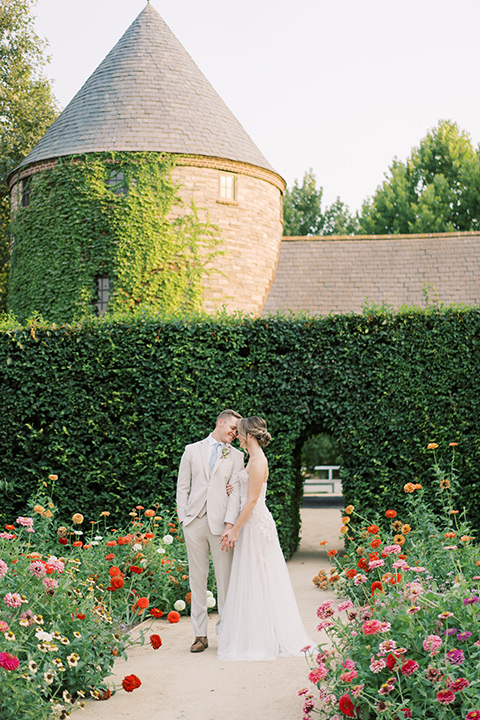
(255, 426)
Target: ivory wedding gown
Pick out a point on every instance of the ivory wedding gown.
(260, 619)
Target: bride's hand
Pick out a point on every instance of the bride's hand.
(228, 539)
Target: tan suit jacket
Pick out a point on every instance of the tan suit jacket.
(197, 485)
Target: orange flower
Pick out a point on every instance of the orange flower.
(454, 512)
(454, 444)
(450, 534)
(323, 542)
(444, 483)
(349, 509)
(142, 602)
(335, 578)
(139, 507)
(402, 557)
(111, 543)
(173, 616)
(117, 582)
(149, 513)
(104, 513)
(391, 513)
(110, 556)
(77, 543)
(406, 529)
(344, 529)
(188, 598)
(409, 488)
(432, 446)
(346, 520)
(417, 486)
(149, 536)
(396, 577)
(351, 573)
(465, 538)
(114, 570)
(77, 518)
(331, 553)
(399, 539)
(123, 540)
(372, 529)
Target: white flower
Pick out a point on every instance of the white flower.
(167, 540)
(179, 605)
(98, 538)
(93, 542)
(43, 635)
(209, 593)
(137, 547)
(144, 561)
(211, 602)
(160, 551)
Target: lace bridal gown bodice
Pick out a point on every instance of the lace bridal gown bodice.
(260, 619)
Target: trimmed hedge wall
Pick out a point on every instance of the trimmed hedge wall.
(108, 405)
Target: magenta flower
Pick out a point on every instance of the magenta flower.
(471, 601)
(409, 667)
(308, 705)
(455, 657)
(326, 610)
(450, 631)
(9, 662)
(432, 644)
(372, 627)
(348, 664)
(458, 684)
(473, 715)
(462, 636)
(3, 569)
(445, 697)
(12, 600)
(318, 674)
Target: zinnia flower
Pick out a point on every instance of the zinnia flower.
(432, 446)
(3, 569)
(349, 509)
(155, 641)
(346, 705)
(156, 613)
(391, 513)
(432, 644)
(131, 682)
(167, 539)
(13, 600)
(409, 667)
(318, 673)
(458, 684)
(173, 616)
(8, 661)
(179, 605)
(455, 657)
(445, 697)
(473, 715)
(117, 582)
(77, 518)
(142, 602)
(372, 627)
(373, 529)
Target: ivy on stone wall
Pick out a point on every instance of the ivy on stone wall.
(109, 405)
(107, 215)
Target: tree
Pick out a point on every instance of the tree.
(303, 215)
(437, 189)
(27, 106)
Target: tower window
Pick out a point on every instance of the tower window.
(26, 192)
(103, 293)
(116, 182)
(227, 186)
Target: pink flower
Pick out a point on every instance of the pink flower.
(346, 605)
(37, 569)
(12, 600)
(50, 583)
(458, 684)
(359, 579)
(387, 646)
(445, 697)
(389, 549)
(9, 662)
(432, 644)
(357, 689)
(348, 664)
(324, 625)
(318, 674)
(325, 610)
(56, 564)
(3, 569)
(375, 564)
(473, 715)
(26, 522)
(377, 664)
(372, 627)
(349, 676)
(409, 667)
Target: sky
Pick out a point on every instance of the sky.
(338, 86)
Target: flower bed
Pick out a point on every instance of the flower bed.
(405, 643)
(69, 597)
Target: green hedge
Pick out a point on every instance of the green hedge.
(108, 405)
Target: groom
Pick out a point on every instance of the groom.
(206, 511)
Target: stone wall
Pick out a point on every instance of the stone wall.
(334, 274)
(250, 226)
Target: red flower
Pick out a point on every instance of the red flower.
(156, 612)
(376, 542)
(409, 667)
(149, 535)
(363, 564)
(77, 543)
(81, 616)
(391, 661)
(142, 602)
(351, 573)
(445, 697)
(63, 540)
(111, 543)
(372, 529)
(117, 582)
(130, 683)
(114, 570)
(155, 641)
(123, 540)
(346, 705)
(136, 569)
(173, 616)
(331, 553)
(391, 513)
(110, 556)
(377, 585)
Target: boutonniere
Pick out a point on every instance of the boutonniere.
(225, 451)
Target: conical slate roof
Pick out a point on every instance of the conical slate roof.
(148, 94)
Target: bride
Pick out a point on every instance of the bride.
(260, 618)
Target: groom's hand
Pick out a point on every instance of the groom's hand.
(224, 536)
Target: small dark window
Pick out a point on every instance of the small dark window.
(103, 293)
(26, 192)
(116, 182)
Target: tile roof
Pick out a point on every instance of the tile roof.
(148, 94)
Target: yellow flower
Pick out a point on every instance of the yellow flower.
(349, 509)
(399, 539)
(53, 477)
(406, 529)
(77, 518)
(39, 509)
(409, 488)
(345, 520)
(104, 513)
(444, 483)
(432, 446)
(344, 529)
(48, 513)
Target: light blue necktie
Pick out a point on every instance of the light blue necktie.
(214, 455)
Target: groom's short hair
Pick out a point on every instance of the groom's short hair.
(228, 413)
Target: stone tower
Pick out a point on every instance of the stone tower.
(149, 95)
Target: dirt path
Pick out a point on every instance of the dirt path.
(178, 685)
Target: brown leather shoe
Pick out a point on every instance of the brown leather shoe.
(199, 645)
